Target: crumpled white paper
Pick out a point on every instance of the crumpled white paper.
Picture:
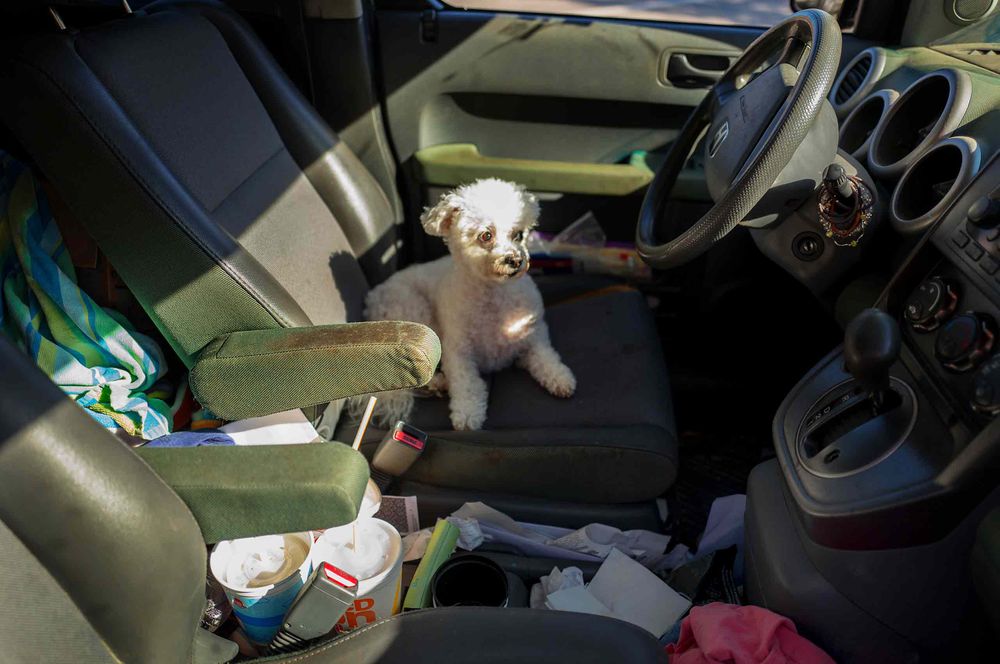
(470, 535)
(553, 582)
(622, 588)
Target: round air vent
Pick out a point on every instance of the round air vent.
(932, 183)
(968, 11)
(927, 111)
(857, 129)
(857, 80)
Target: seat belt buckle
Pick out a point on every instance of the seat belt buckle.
(397, 452)
(317, 608)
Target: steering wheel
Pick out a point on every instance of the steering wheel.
(756, 124)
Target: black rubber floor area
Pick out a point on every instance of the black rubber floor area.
(711, 466)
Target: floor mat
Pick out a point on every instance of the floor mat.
(711, 466)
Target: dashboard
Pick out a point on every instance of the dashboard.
(921, 121)
(931, 453)
(888, 449)
(920, 128)
(914, 126)
(951, 317)
(924, 123)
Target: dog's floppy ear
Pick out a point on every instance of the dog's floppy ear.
(531, 208)
(437, 220)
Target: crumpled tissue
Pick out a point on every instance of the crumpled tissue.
(553, 582)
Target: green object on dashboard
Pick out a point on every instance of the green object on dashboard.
(459, 163)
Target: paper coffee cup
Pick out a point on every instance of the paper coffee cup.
(379, 590)
(259, 585)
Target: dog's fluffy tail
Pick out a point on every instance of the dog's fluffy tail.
(390, 408)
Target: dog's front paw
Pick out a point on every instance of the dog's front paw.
(560, 382)
(464, 421)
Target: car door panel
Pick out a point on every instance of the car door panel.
(555, 102)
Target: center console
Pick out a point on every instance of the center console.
(887, 455)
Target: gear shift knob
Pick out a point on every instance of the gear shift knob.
(871, 346)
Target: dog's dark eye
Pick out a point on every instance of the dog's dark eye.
(518, 236)
(486, 236)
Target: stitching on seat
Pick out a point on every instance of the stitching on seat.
(212, 15)
(176, 218)
(369, 345)
(239, 185)
(342, 640)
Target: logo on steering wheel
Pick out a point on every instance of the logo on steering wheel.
(720, 137)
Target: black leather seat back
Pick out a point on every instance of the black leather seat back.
(216, 191)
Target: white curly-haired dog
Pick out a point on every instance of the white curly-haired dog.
(478, 300)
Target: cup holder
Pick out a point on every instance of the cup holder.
(932, 183)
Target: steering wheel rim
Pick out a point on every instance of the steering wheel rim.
(812, 38)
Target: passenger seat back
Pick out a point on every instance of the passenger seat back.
(221, 198)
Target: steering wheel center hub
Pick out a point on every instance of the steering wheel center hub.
(740, 124)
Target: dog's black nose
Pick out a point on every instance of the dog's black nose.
(513, 260)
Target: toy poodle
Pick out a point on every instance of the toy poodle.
(479, 300)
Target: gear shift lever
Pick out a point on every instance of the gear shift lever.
(871, 346)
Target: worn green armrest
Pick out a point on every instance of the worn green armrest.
(263, 490)
(255, 373)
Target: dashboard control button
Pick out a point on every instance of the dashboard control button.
(986, 389)
(933, 302)
(989, 264)
(965, 340)
(960, 239)
(974, 251)
(984, 213)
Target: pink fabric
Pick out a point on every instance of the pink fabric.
(726, 634)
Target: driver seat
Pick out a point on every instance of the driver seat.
(225, 203)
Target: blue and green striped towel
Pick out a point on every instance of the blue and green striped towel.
(88, 351)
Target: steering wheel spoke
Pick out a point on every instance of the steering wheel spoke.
(793, 53)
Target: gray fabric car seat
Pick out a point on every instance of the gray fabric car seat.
(103, 562)
(226, 204)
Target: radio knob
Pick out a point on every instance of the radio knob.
(933, 302)
(965, 340)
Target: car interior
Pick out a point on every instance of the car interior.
(809, 210)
